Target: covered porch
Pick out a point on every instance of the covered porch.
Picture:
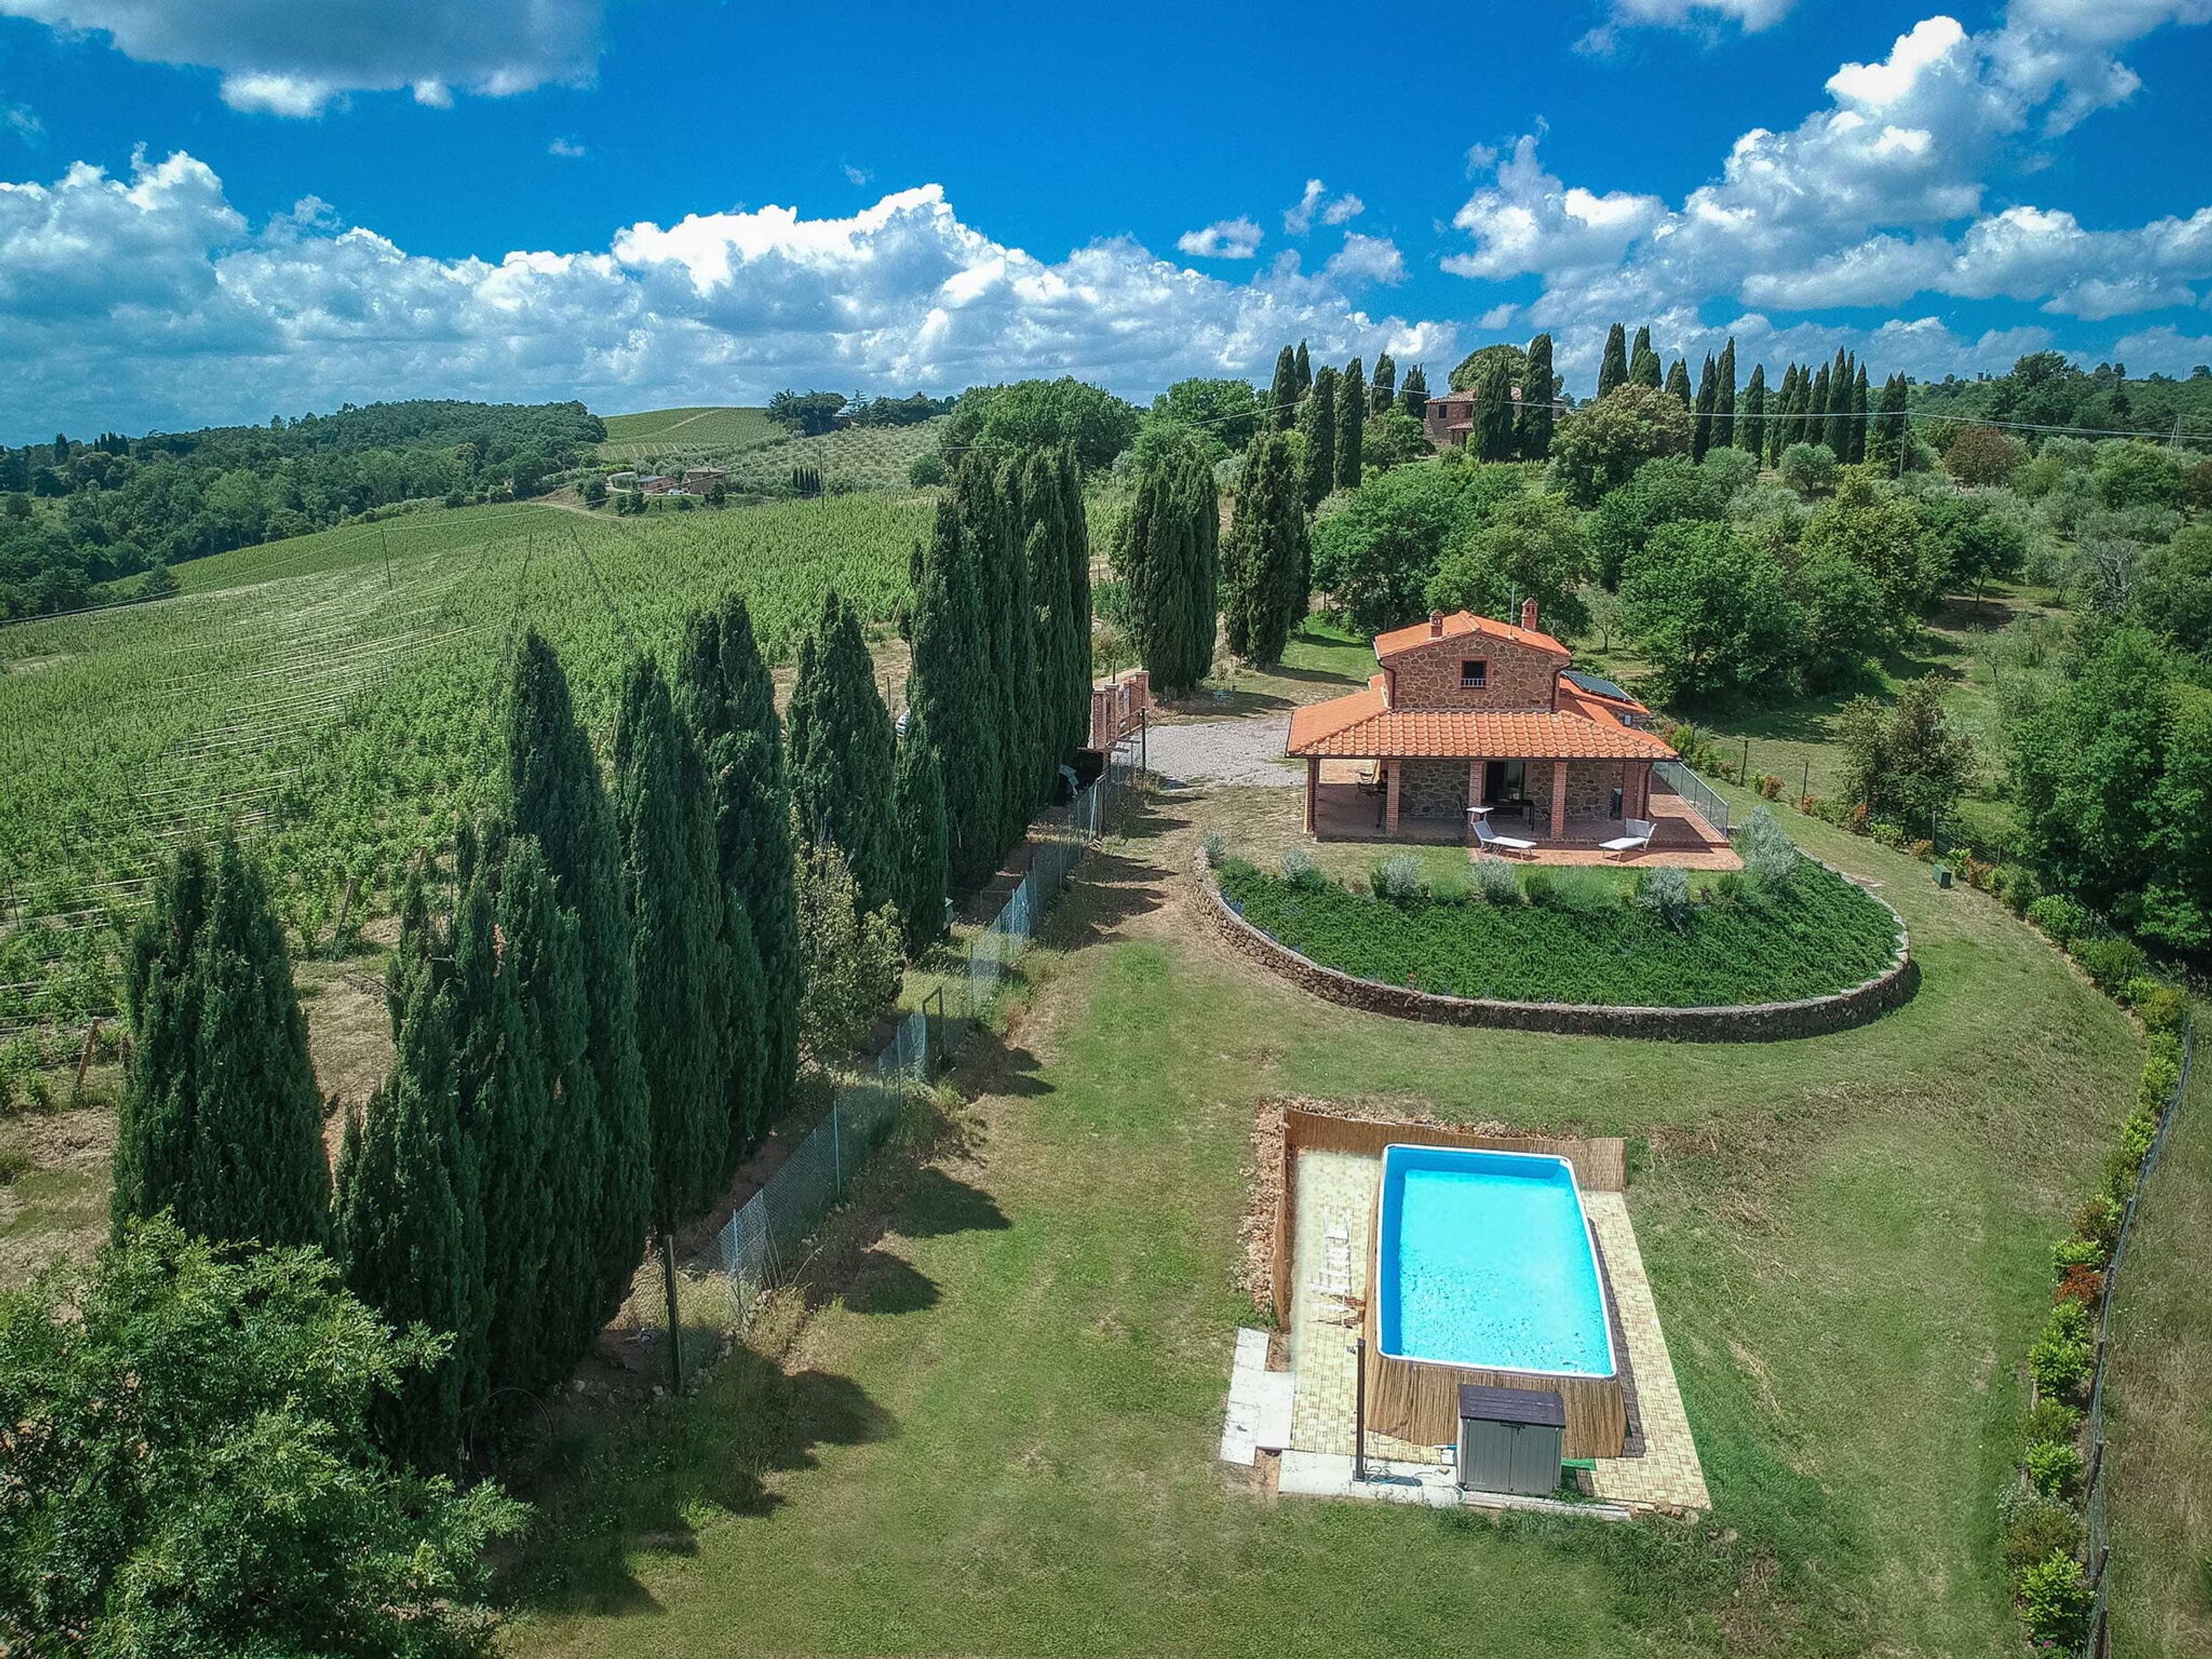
(1567, 807)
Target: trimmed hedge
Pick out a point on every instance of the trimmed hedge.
(1805, 934)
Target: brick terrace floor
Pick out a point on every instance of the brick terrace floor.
(1683, 840)
(1336, 1192)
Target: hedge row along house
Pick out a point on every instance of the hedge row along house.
(1465, 712)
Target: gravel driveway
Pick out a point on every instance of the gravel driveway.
(1245, 751)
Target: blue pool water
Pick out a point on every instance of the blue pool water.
(1486, 1261)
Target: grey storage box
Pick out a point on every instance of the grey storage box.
(1509, 1439)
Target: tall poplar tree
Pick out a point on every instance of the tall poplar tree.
(555, 793)
(1613, 368)
(1283, 395)
(1170, 561)
(1413, 395)
(1382, 390)
(1317, 425)
(840, 743)
(925, 853)
(1267, 557)
(1351, 425)
(664, 812)
(724, 692)
(1724, 433)
(1708, 399)
(1539, 392)
(221, 1121)
(1753, 436)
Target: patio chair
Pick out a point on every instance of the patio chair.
(1637, 838)
(1493, 842)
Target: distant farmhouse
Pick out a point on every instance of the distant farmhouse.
(695, 481)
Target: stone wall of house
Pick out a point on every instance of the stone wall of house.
(1761, 1022)
(1433, 789)
(1518, 676)
(1590, 784)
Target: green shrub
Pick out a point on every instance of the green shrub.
(1768, 852)
(925, 468)
(14, 1162)
(2032, 1527)
(1398, 878)
(1666, 893)
(2054, 1601)
(2054, 1468)
(2059, 917)
(1299, 868)
(2164, 1008)
(2078, 1253)
(1494, 881)
(2099, 1220)
(1728, 886)
(1212, 844)
(2111, 963)
(2015, 883)
(2049, 1420)
(1542, 886)
(2061, 1359)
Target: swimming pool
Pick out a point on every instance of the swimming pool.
(1486, 1260)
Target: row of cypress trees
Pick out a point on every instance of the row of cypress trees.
(1266, 563)
(1000, 684)
(590, 1034)
(1170, 557)
(1827, 405)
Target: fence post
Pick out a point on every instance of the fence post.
(837, 1151)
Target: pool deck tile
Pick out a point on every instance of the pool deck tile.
(1335, 1218)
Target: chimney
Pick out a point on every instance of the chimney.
(1528, 615)
(1435, 624)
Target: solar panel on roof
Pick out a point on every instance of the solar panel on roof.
(1597, 687)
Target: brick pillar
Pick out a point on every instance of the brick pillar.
(1313, 789)
(1396, 768)
(1558, 800)
(1473, 795)
(1642, 780)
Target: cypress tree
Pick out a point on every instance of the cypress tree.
(1858, 432)
(1052, 642)
(1351, 425)
(1169, 558)
(1382, 390)
(924, 850)
(1532, 439)
(950, 649)
(1786, 431)
(1012, 670)
(1304, 364)
(1493, 411)
(1754, 436)
(1414, 396)
(663, 811)
(1075, 692)
(1613, 368)
(1283, 395)
(1724, 433)
(1267, 557)
(556, 795)
(725, 693)
(410, 1238)
(1886, 441)
(1645, 368)
(1678, 383)
(221, 1121)
(1814, 426)
(1838, 426)
(1701, 425)
(840, 750)
(1317, 426)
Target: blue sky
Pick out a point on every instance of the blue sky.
(241, 207)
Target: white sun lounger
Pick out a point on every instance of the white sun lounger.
(1494, 842)
(1639, 837)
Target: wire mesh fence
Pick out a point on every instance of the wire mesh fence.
(1696, 791)
(764, 1241)
(2098, 1487)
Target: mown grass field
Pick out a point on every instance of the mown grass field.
(2161, 1422)
(997, 1435)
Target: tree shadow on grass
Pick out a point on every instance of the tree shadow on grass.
(634, 1485)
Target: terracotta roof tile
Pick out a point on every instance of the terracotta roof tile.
(1461, 733)
(1460, 623)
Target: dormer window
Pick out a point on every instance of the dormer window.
(1474, 674)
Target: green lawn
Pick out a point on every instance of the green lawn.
(2160, 1420)
(999, 1438)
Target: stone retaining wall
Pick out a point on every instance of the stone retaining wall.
(1759, 1022)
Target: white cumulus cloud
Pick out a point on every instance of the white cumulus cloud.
(1315, 203)
(282, 58)
(201, 315)
(1224, 239)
